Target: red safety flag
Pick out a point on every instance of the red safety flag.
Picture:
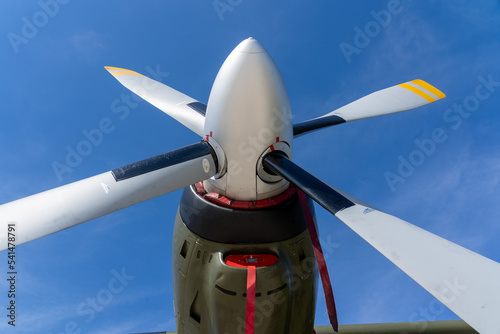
(323, 270)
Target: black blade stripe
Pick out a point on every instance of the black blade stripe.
(315, 188)
(200, 108)
(164, 160)
(316, 124)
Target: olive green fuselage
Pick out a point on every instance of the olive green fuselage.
(210, 296)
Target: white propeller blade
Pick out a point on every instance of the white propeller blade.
(466, 282)
(181, 107)
(406, 96)
(66, 206)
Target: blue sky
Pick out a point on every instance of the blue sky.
(55, 87)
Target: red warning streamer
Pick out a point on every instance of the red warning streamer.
(323, 270)
(250, 315)
(251, 262)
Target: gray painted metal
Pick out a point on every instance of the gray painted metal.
(427, 327)
(424, 327)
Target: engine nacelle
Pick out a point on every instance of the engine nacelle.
(210, 295)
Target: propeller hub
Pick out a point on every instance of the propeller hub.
(248, 113)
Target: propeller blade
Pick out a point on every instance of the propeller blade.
(181, 107)
(406, 96)
(66, 206)
(464, 281)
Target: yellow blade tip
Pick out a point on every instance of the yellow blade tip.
(429, 87)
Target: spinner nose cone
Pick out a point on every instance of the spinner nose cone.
(250, 45)
(248, 112)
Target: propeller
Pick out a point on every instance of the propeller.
(247, 146)
(464, 281)
(75, 203)
(402, 97)
(184, 109)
